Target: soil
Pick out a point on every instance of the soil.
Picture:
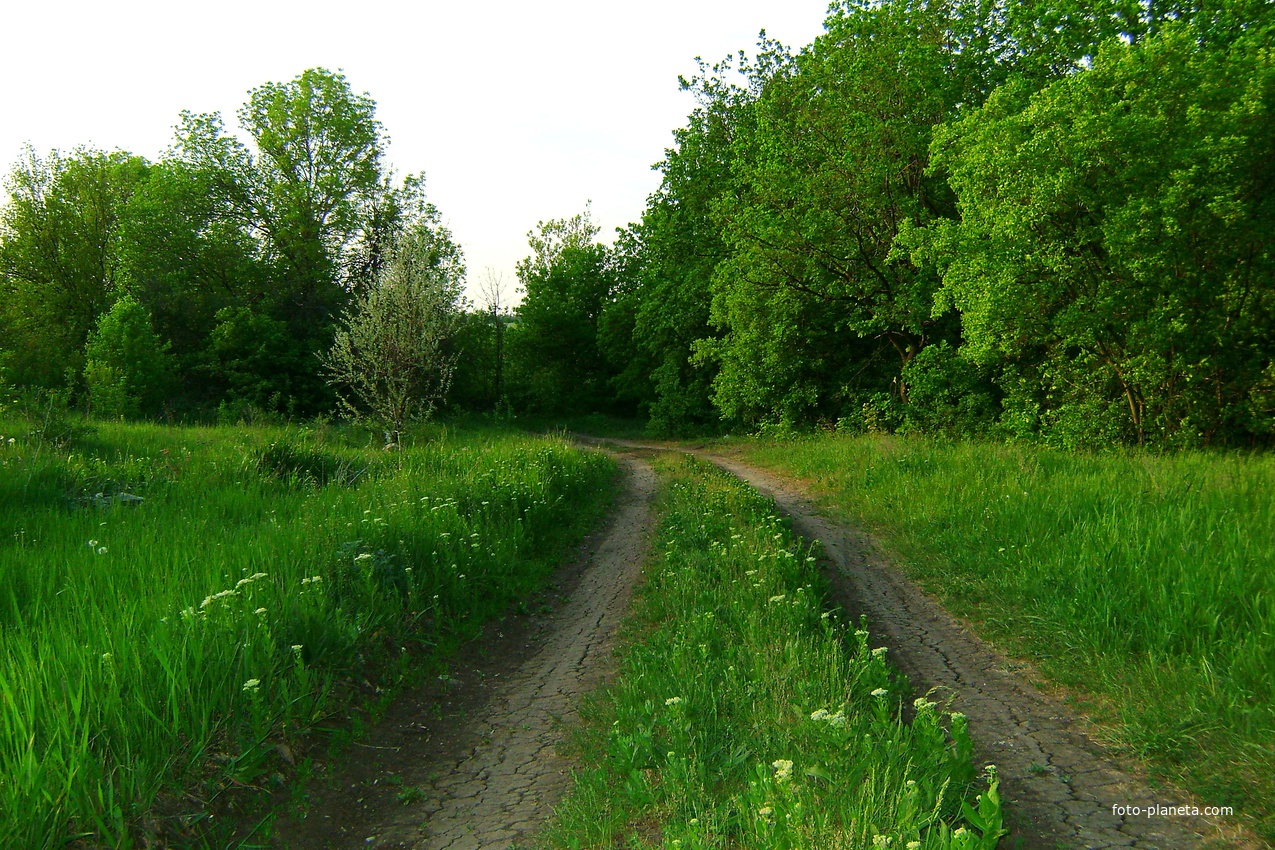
(470, 761)
(1059, 783)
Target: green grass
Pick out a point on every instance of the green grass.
(745, 715)
(153, 655)
(1145, 583)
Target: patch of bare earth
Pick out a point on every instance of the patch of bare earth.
(471, 761)
(1062, 788)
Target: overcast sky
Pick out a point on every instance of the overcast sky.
(515, 111)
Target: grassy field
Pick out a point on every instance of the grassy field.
(1145, 584)
(746, 715)
(178, 604)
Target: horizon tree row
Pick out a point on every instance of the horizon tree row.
(1048, 221)
(217, 275)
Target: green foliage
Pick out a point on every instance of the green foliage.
(58, 271)
(232, 611)
(127, 367)
(947, 394)
(1140, 580)
(674, 250)
(814, 302)
(319, 156)
(556, 365)
(1115, 240)
(323, 213)
(744, 715)
(185, 255)
(256, 359)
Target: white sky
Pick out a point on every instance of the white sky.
(516, 112)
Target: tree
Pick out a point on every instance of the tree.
(255, 358)
(58, 271)
(567, 281)
(318, 167)
(676, 247)
(390, 357)
(817, 309)
(1115, 250)
(317, 199)
(495, 302)
(185, 256)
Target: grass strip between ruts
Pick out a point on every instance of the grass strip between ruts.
(745, 714)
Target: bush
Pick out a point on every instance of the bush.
(127, 370)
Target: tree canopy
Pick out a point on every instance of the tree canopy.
(1048, 220)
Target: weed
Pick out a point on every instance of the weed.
(1143, 582)
(164, 652)
(745, 715)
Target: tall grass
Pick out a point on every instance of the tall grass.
(744, 715)
(154, 653)
(1146, 582)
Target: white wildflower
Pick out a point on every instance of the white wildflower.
(673, 701)
(783, 769)
(252, 685)
(879, 692)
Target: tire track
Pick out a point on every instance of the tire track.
(494, 775)
(1059, 784)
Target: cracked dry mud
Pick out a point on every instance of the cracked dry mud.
(1058, 783)
(483, 771)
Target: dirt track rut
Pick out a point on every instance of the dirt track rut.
(487, 772)
(1059, 784)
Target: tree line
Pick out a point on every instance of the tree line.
(1046, 220)
(1042, 220)
(218, 276)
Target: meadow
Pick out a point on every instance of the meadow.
(180, 606)
(1143, 584)
(745, 713)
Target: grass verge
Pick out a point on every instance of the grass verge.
(177, 605)
(1144, 583)
(744, 715)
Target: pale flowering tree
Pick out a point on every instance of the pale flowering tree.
(390, 359)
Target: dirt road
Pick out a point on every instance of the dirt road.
(1061, 787)
(470, 762)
